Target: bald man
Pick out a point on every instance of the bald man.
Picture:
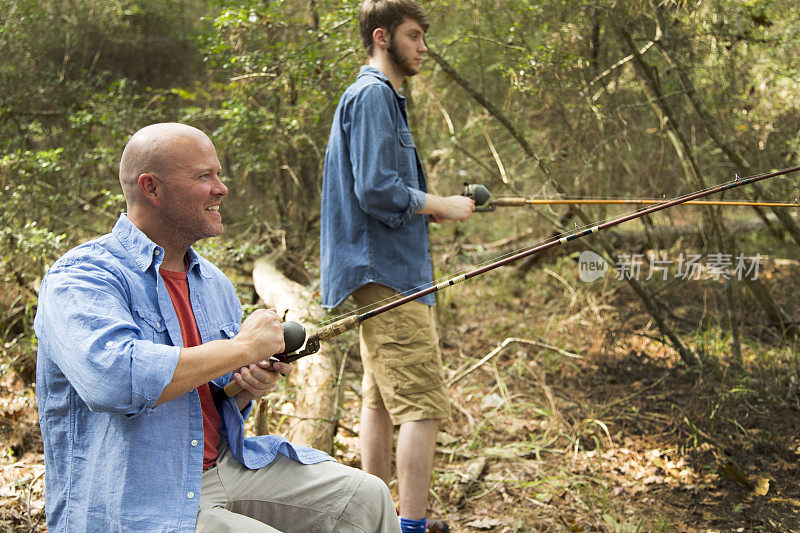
(137, 337)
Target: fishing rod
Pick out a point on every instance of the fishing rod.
(485, 203)
(295, 334)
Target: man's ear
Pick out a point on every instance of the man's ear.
(149, 187)
(381, 38)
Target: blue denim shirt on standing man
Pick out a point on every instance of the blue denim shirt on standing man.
(373, 188)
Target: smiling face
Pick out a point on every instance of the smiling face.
(406, 47)
(191, 191)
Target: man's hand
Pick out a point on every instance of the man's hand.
(261, 335)
(441, 208)
(258, 379)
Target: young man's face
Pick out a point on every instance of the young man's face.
(407, 46)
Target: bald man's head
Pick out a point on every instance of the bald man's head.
(149, 151)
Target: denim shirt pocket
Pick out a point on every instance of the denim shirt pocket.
(152, 325)
(406, 156)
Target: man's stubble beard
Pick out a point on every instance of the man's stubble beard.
(404, 64)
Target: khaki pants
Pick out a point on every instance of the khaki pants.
(287, 496)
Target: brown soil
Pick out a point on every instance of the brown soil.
(622, 438)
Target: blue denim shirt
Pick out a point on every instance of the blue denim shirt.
(372, 190)
(109, 341)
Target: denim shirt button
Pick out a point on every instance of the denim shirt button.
(194, 443)
(190, 495)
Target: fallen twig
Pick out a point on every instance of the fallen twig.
(629, 396)
(484, 493)
(31, 523)
(502, 345)
(502, 243)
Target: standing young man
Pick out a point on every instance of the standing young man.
(137, 336)
(374, 244)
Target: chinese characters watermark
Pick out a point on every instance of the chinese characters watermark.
(715, 266)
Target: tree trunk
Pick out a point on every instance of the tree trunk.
(647, 299)
(316, 377)
(709, 124)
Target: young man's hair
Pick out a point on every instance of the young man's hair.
(387, 14)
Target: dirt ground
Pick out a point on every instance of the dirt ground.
(582, 420)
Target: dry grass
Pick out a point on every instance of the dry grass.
(620, 438)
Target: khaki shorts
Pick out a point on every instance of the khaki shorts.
(402, 361)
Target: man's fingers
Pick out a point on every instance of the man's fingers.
(250, 382)
(260, 378)
(283, 369)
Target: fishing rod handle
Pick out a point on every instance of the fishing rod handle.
(294, 336)
(509, 201)
(336, 328)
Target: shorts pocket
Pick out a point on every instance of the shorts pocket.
(410, 355)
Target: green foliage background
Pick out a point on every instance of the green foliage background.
(263, 78)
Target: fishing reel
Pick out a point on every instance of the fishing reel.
(481, 195)
(294, 336)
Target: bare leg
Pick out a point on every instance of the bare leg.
(416, 444)
(376, 443)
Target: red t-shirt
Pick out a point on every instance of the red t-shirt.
(178, 289)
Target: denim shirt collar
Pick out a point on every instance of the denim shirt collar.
(368, 70)
(144, 252)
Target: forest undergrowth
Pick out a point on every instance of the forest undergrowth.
(581, 419)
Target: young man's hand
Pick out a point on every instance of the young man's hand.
(441, 208)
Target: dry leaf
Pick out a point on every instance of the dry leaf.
(485, 523)
(762, 486)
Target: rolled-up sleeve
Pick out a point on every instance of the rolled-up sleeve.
(380, 189)
(90, 333)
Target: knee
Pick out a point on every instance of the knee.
(370, 509)
(374, 491)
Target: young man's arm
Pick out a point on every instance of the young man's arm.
(372, 129)
(447, 207)
(380, 189)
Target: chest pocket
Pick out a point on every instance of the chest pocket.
(152, 325)
(407, 157)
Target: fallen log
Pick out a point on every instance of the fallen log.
(316, 379)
